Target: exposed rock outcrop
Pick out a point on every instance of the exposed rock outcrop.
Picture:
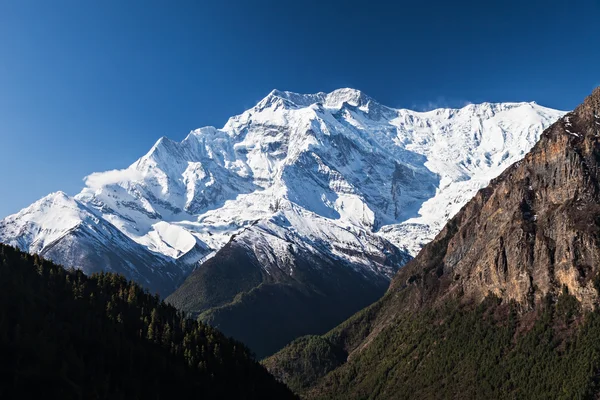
(533, 230)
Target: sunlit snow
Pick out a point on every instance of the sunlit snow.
(328, 172)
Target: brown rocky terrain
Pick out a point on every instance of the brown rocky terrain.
(534, 229)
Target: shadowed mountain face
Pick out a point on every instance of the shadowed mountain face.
(267, 308)
(529, 243)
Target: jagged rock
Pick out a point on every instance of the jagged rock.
(533, 230)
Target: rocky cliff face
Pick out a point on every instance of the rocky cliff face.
(533, 230)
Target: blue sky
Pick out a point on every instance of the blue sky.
(90, 85)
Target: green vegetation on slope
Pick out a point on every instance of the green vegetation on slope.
(216, 282)
(66, 335)
(268, 311)
(307, 359)
(483, 352)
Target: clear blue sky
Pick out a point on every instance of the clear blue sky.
(90, 85)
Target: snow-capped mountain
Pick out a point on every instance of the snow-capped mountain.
(330, 173)
(63, 229)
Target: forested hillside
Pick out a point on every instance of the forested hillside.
(490, 351)
(69, 336)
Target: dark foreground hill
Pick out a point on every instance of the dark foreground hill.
(267, 310)
(65, 335)
(502, 304)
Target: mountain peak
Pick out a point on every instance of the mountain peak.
(591, 105)
(335, 99)
(58, 198)
(354, 97)
(288, 99)
(59, 194)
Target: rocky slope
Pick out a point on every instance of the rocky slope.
(529, 239)
(533, 230)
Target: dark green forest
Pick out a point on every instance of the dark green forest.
(69, 336)
(489, 351)
(66, 335)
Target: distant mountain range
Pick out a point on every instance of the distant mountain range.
(293, 216)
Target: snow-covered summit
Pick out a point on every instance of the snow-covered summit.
(335, 99)
(328, 164)
(43, 222)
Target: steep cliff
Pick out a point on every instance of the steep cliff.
(534, 229)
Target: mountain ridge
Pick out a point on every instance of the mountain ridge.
(165, 151)
(336, 183)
